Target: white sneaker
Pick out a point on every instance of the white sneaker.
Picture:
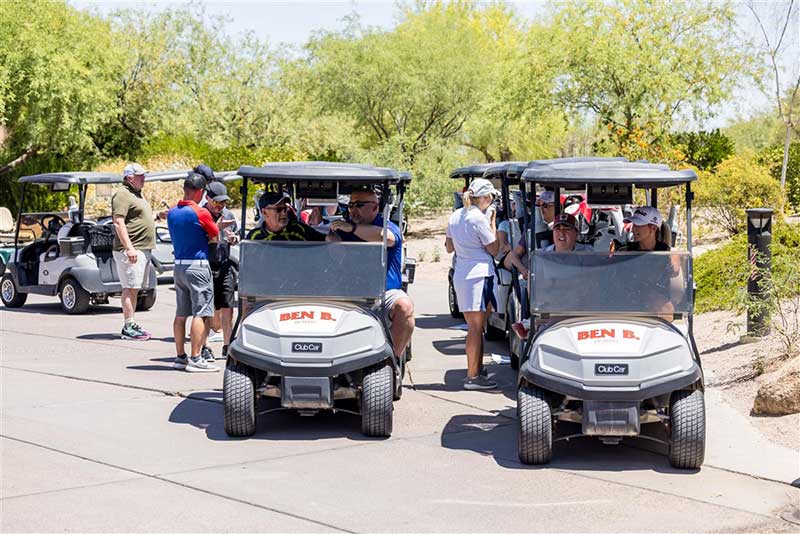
(215, 336)
(196, 364)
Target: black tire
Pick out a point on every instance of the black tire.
(376, 401)
(452, 301)
(494, 333)
(514, 362)
(409, 355)
(239, 400)
(511, 336)
(11, 296)
(74, 299)
(146, 300)
(687, 443)
(535, 426)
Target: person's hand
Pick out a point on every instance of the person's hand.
(230, 237)
(343, 226)
(222, 224)
(161, 215)
(132, 255)
(525, 273)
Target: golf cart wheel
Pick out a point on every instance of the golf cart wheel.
(239, 399)
(514, 362)
(494, 334)
(376, 401)
(11, 297)
(452, 302)
(687, 414)
(535, 420)
(74, 299)
(146, 300)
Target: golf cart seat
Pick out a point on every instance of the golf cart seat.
(665, 234)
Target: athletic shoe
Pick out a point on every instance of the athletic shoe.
(479, 382)
(207, 354)
(214, 336)
(180, 362)
(130, 332)
(485, 372)
(196, 364)
(142, 330)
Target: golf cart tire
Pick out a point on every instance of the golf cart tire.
(239, 400)
(535, 420)
(146, 300)
(377, 394)
(514, 362)
(687, 443)
(74, 299)
(494, 334)
(452, 301)
(9, 289)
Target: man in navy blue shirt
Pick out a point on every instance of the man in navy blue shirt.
(366, 224)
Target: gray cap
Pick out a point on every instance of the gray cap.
(133, 169)
(481, 187)
(217, 192)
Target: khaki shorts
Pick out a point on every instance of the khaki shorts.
(132, 275)
(392, 296)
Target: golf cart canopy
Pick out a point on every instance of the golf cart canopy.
(91, 178)
(472, 171)
(322, 170)
(575, 173)
(504, 170)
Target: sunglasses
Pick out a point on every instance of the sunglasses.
(360, 204)
(277, 208)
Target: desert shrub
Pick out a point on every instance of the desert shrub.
(721, 274)
(704, 150)
(772, 157)
(738, 183)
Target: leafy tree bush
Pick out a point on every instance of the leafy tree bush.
(705, 150)
(721, 274)
(772, 157)
(737, 184)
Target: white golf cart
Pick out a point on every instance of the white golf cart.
(611, 344)
(310, 331)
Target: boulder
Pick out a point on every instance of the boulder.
(780, 397)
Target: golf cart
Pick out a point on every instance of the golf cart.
(71, 258)
(310, 331)
(611, 344)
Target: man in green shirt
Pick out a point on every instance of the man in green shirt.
(134, 240)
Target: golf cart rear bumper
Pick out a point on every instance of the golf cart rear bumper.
(638, 393)
(278, 364)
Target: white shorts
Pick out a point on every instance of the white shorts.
(132, 275)
(475, 294)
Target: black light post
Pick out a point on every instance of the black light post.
(759, 252)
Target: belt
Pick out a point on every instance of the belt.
(191, 262)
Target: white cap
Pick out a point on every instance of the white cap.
(481, 187)
(133, 169)
(645, 215)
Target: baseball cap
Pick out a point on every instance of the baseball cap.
(205, 171)
(645, 215)
(481, 187)
(546, 197)
(133, 169)
(194, 181)
(270, 199)
(217, 192)
(566, 219)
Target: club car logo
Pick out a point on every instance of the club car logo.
(300, 346)
(606, 333)
(307, 315)
(611, 368)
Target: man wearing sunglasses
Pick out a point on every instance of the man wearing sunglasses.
(366, 224)
(278, 223)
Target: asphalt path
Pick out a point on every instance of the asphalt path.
(101, 434)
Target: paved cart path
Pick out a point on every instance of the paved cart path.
(100, 434)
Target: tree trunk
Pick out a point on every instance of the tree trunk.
(785, 163)
(25, 156)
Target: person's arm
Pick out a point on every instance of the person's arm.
(487, 233)
(502, 238)
(514, 258)
(367, 232)
(124, 238)
(448, 245)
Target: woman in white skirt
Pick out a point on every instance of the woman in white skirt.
(472, 235)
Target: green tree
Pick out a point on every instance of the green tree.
(704, 150)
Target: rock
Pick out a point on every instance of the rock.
(780, 397)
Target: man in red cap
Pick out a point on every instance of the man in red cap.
(565, 235)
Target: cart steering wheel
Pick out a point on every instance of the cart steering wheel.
(51, 223)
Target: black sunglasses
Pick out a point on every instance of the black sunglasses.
(360, 204)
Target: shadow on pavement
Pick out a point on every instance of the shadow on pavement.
(204, 410)
(450, 347)
(46, 308)
(496, 436)
(108, 336)
(454, 381)
(442, 320)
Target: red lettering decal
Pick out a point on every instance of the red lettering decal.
(307, 315)
(295, 316)
(286, 316)
(607, 333)
(326, 316)
(583, 335)
(595, 334)
(628, 334)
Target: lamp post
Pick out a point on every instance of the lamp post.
(759, 239)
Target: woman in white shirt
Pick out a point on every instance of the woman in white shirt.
(471, 234)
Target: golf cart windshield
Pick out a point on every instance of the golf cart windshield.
(587, 283)
(351, 271)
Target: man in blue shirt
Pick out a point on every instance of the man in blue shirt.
(366, 224)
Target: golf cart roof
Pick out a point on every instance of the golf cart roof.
(321, 170)
(577, 172)
(472, 171)
(87, 178)
(501, 170)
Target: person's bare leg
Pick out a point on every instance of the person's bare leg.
(216, 320)
(179, 332)
(197, 334)
(402, 315)
(226, 318)
(474, 342)
(128, 299)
